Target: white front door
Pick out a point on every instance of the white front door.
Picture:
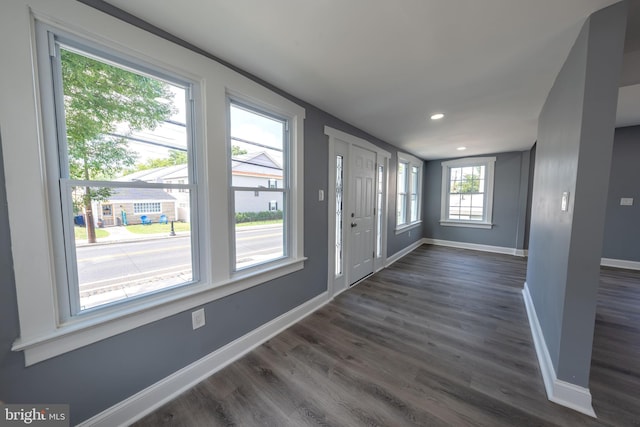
(360, 215)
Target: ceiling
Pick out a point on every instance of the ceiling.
(385, 66)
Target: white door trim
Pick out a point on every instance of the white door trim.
(338, 138)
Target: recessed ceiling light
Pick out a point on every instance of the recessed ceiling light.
(437, 116)
(461, 148)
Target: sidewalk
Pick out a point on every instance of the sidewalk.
(120, 234)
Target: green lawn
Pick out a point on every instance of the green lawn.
(157, 228)
(268, 222)
(81, 233)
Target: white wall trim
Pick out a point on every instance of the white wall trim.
(561, 392)
(144, 402)
(395, 257)
(620, 263)
(477, 247)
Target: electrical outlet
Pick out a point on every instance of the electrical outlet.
(197, 318)
(626, 201)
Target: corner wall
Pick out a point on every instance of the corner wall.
(509, 204)
(573, 154)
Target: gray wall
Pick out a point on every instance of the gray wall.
(573, 152)
(100, 375)
(509, 204)
(622, 227)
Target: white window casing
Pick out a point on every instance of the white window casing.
(25, 109)
(409, 201)
(488, 163)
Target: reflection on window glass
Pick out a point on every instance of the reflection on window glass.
(259, 181)
(125, 130)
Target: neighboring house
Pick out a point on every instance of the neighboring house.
(256, 170)
(136, 202)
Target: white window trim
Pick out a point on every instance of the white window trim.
(410, 161)
(489, 163)
(43, 334)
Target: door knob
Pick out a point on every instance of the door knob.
(353, 224)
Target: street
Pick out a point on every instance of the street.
(109, 272)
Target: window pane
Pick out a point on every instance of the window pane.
(402, 204)
(259, 232)
(402, 178)
(257, 146)
(119, 121)
(454, 206)
(414, 208)
(139, 253)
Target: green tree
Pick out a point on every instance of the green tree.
(237, 151)
(176, 157)
(97, 98)
(470, 182)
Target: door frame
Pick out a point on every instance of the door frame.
(341, 143)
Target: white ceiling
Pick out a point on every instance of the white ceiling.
(386, 66)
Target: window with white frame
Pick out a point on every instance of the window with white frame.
(98, 153)
(409, 179)
(467, 192)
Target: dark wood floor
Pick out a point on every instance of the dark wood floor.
(439, 338)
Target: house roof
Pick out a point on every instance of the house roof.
(155, 174)
(140, 194)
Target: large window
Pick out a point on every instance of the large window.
(129, 203)
(117, 122)
(467, 192)
(408, 192)
(258, 146)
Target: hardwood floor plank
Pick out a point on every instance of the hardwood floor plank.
(439, 338)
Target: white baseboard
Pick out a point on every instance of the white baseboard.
(620, 263)
(561, 392)
(156, 395)
(395, 257)
(476, 247)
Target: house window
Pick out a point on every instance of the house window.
(264, 138)
(467, 192)
(408, 192)
(109, 112)
(147, 208)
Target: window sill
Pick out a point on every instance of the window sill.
(406, 227)
(84, 331)
(468, 224)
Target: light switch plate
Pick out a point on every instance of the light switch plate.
(320, 195)
(626, 201)
(564, 204)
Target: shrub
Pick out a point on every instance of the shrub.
(257, 216)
